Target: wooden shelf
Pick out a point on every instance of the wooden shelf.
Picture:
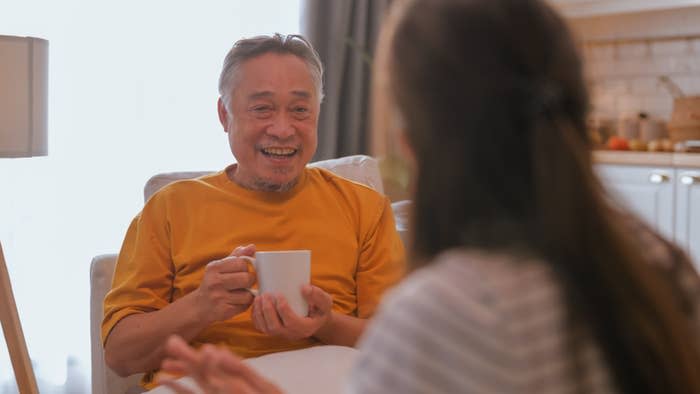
(661, 159)
(586, 8)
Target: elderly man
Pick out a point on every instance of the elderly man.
(179, 270)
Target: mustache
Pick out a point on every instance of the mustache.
(279, 142)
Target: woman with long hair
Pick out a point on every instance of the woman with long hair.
(527, 278)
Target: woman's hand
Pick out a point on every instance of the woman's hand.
(216, 370)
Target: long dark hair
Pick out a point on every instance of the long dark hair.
(494, 103)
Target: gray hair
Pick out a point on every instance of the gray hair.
(248, 48)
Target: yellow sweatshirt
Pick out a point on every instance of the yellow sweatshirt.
(356, 253)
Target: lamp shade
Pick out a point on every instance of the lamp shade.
(24, 65)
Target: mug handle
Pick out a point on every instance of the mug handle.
(251, 260)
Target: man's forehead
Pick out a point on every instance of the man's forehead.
(304, 94)
(273, 74)
(267, 64)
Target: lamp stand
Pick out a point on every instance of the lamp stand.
(14, 337)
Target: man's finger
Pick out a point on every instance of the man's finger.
(229, 264)
(258, 318)
(237, 280)
(287, 315)
(244, 250)
(272, 320)
(240, 297)
(236, 251)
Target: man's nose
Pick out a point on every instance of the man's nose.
(281, 126)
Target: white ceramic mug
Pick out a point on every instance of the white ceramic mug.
(285, 272)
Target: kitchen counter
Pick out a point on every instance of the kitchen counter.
(665, 159)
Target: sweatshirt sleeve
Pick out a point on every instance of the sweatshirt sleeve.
(144, 272)
(381, 260)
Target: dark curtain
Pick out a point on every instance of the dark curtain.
(344, 32)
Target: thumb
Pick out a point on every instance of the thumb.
(316, 297)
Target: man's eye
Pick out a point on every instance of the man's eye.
(262, 108)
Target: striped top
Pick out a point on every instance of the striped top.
(473, 322)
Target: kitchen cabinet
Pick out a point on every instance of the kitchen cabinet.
(646, 191)
(584, 8)
(667, 198)
(688, 211)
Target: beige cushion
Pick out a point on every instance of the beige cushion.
(358, 168)
(104, 380)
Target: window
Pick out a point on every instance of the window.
(133, 89)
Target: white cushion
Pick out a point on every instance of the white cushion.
(320, 369)
(358, 168)
(402, 213)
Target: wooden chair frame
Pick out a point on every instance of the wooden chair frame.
(14, 337)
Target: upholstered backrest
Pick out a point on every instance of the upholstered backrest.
(104, 380)
(359, 168)
(362, 169)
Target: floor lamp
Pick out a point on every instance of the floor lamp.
(23, 130)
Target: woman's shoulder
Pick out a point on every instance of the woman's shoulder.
(669, 261)
(482, 271)
(450, 325)
(473, 283)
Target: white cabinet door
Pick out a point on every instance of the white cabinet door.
(688, 211)
(646, 191)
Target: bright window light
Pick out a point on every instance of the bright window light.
(133, 90)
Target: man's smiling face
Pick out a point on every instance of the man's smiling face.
(271, 121)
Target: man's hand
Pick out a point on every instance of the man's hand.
(215, 370)
(273, 315)
(223, 292)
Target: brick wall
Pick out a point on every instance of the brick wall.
(626, 54)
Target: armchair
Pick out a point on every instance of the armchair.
(362, 169)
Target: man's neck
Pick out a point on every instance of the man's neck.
(259, 184)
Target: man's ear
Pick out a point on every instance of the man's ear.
(224, 117)
(406, 150)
